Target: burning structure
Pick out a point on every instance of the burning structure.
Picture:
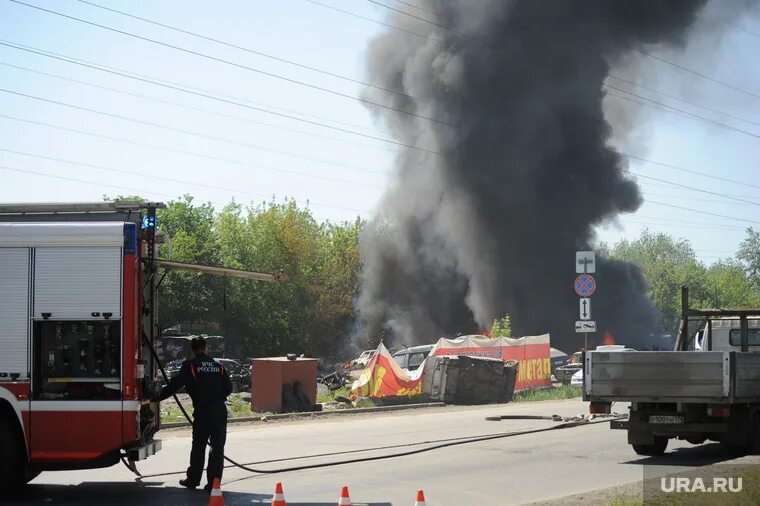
(508, 166)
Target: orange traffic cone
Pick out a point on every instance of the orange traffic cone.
(216, 498)
(344, 499)
(420, 498)
(278, 499)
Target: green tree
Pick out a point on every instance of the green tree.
(502, 327)
(731, 288)
(749, 256)
(667, 264)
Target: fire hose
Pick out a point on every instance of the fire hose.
(436, 444)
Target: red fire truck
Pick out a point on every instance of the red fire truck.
(78, 285)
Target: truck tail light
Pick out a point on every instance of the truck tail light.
(128, 391)
(719, 411)
(600, 408)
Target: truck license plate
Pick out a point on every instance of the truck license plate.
(666, 419)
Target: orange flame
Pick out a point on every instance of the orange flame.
(608, 338)
(487, 333)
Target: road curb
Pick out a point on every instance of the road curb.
(315, 414)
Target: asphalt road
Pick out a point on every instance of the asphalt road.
(515, 470)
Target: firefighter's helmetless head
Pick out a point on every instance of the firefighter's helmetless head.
(198, 345)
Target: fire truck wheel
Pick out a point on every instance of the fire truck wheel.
(12, 463)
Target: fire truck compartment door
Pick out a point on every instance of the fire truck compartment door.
(77, 282)
(14, 312)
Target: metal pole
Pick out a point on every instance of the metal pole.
(585, 340)
(745, 333)
(683, 329)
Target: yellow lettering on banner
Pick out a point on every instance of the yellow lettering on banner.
(521, 371)
(530, 370)
(547, 368)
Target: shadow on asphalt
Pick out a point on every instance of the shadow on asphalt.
(134, 494)
(696, 456)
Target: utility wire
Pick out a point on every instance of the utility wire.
(403, 30)
(446, 28)
(690, 102)
(132, 172)
(682, 225)
(654, 103)
(240, 118)
(162, 148)
(192, 108)
(689, 198)
(219, 99)
(689, 171)
(692, 188)
(703, 212)
(694, 72)
(201, 135)
(47, 53)
(409, 4)
(243, 48)
(229, 62)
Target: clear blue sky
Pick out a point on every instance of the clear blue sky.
(310, 34)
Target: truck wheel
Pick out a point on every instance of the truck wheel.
(658, 448)
(11, 463)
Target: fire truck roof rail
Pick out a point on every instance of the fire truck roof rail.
(77, 207)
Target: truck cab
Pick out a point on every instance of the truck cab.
(725, 335)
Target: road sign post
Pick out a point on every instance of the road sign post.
(585, 286)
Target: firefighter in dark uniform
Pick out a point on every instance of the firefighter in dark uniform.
(208, 384)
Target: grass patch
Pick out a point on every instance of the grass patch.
(170, 413)
(548, 394)
(330, 396)
(240, 407)
(749, 495)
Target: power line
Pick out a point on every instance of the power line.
(66, 178)
(690, 171)
(676, 97)
(689, 198)
(246, 49)
(676, 110)
(201, 135)
(409, 4)
(389, 7)
(403, 30)
(692, 188)
(161, 148)
(681, 225)
(703, 212)
(100, 66)
(694, 72)
(229, 62)
(675, 221)
(163, 178)
(190, 107)
(218, 99)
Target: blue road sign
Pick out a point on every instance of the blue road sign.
(585, 285)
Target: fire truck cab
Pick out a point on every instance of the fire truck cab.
(77, 324)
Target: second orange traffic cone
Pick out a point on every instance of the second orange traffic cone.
(344, 499)
(216, 499)
(278, 499)
(420, 498)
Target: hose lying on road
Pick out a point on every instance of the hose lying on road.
(437, 444)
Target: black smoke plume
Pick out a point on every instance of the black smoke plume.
(518, 167)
